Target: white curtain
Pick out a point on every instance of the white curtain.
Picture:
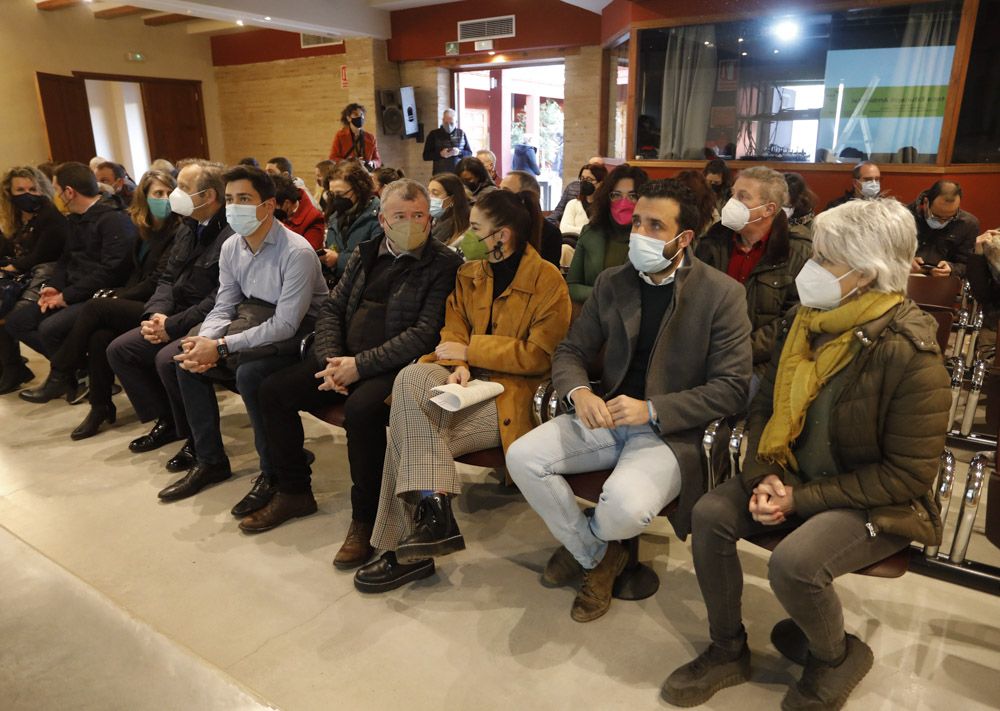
(688, 90)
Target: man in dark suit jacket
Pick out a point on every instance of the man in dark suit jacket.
(677, 355)
(447, 145)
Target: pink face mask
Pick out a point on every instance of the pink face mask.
(621, 211)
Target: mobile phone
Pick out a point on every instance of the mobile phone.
(927, 267)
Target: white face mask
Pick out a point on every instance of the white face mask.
(788, 211)
(646, 253)
(437, 207)
(736, 215)
(818, 288)
(243, 218)
(181, 202)
(871, 189)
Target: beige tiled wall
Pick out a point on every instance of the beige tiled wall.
(582, 110)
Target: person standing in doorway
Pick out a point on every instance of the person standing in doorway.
(447, 145)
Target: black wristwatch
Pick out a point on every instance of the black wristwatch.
(222, 348)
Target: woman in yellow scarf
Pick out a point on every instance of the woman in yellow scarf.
(843, 442)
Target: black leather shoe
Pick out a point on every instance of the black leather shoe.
(14, 376)
(161, 434)
(436, 532)
(387, 574)
(183, 460)
(58, 384)
(91, 424)
(199, 476)
(260, 495)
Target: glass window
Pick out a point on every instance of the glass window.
(978, 137)
(617, 82)
(842, 86)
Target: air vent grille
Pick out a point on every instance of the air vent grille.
(486, 28)
(307, 41)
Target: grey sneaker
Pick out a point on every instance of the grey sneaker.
(713, 670)
(562, 569)
(824, 687)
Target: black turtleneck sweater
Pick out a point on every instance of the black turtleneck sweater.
(655, 303)
(503, 276)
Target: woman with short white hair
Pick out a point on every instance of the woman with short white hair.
(844, 438)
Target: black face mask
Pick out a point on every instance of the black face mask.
(587, 188)
(340, 204)
(358, 121)
(280, 214)
(716, 187)
(27, 202)
(473, 187)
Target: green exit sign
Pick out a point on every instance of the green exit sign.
(451, 48)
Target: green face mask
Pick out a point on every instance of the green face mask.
(158, 207)
(471, 247)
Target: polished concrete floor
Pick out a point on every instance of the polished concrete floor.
(111, 600)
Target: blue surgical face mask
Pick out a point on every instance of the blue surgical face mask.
(159, 207)
(936, 224)
(243, 218)
(437, 207)
(871, 189)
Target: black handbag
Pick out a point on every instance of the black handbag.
(11, 288)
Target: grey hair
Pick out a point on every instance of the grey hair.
(487, 152)
(527, 182)
(450, 111)
(773, 186)
(404, 189)
(877, 238)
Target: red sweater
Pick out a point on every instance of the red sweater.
(343, 147)
(308, 221)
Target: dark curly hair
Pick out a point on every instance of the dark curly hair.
(688, 217)
(355, 175)
(602, 198)
(345, 115)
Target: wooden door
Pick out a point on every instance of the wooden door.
(175, 119)
(66, 113)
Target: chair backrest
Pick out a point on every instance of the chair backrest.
(935, 291)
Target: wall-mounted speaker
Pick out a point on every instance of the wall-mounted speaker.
(390, 112)
(408, 104)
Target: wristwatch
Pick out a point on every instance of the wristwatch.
(222, 348)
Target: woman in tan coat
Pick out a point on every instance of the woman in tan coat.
(844, 440)
(502, 323)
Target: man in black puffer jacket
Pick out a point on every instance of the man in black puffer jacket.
(97, 256)
(386, 311)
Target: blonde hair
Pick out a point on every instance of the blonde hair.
(139, 209)
(773, 186)
(10, 217)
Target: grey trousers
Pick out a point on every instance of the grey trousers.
(801, 569)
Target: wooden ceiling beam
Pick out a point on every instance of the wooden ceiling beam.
(167, 19)
(121, 11)
(49, 5)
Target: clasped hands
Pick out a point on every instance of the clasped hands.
(198, 354)
(621, 411)
(338, 374)
(155, 329)
(771, 501)
(50, 299)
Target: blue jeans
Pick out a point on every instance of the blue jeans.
(202, 408)
(646, 478)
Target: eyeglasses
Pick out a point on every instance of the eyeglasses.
(588, 180)
(632, 196)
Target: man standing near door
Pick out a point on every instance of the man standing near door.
(447, 145)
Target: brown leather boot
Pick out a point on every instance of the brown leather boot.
(594, 597)
(281, 508)
(357, 548)
(562, 569)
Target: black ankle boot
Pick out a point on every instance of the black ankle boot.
(14, 376)
(58, 384)
(436, 532)
(91, 424)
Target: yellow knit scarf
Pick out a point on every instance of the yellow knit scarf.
(802, 372)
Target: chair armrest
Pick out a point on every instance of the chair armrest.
(306, 342)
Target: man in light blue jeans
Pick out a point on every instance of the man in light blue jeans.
(675, 338)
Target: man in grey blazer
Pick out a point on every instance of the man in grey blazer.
(677, 355)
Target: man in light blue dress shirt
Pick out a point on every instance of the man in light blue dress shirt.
(269, 278)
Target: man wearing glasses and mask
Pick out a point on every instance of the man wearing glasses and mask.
(946, 234)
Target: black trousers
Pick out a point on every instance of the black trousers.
(146, 371)
(97, 324)
(285, 393)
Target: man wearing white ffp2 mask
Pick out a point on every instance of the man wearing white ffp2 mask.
(866, 184)
(754, 246)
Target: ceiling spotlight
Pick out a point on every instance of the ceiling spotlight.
(786, 30)
(492, 54)
(743, 54)
(740, 39)
(267, 18)
(776, 51)
(240, 23)
(707, 43)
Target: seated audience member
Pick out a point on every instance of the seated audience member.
(95, 162)
(844, 441)
(383, 176)
(296, 211)
(351, 218)
(143, 358)
(720, 179)
(505, 318)
(450, 214)
(385, 312)
(95, 257)
(604, 242)
(477, 180)
(323, 170)
(489, 160)
(352, 142)
(801, 206)
(270, 290)
(526, 155)
(117, 178)
(571, 191)
(983, 270)
(48, 169)
(550, 246)
(866, 184)
(946, 234)
(115, 311)
(164, 166)
(753, 245)
(675, 338)
(447, 145)
(32, 232)
(283, 166)
(578, 210)
(704, 200)
(250, 161)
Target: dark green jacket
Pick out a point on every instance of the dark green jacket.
(887, 429)
(588, 262)
(771, 288)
